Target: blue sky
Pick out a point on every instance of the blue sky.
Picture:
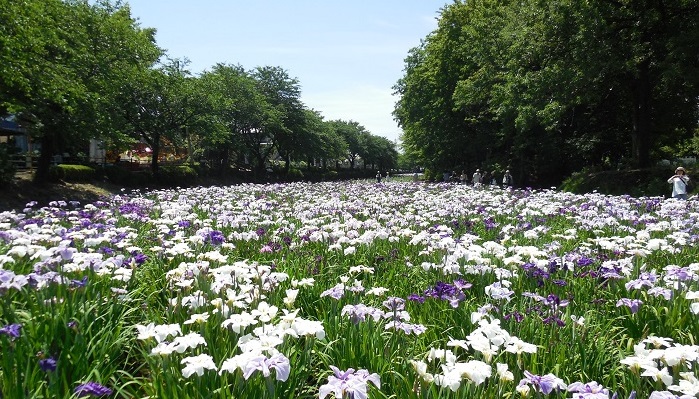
(346, 54)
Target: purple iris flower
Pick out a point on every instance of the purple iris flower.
(516, 315)
(660, 291)
(591, 389)
(349, 384)
(416, 298)
(11, 330)
(92, 389)
(585, 261)
(449, 292)
(48, 364)
(394, 304)
(79, 283)
(138, 259)
(489, 223)
(633, 304)
(544, 383)
(462, 284)
(215, 237)
(360, 312)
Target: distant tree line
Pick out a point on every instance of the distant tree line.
(551, 87)
(74, 70)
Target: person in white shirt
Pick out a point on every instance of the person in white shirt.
(679, 182)
(476, 177)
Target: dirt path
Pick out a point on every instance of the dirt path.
(22, 190)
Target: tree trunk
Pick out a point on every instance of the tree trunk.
(642, 123)
(44, 162)
(287, 164)
(155, 146)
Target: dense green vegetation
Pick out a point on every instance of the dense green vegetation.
(550, 87)
(74, 70)
(546, 89)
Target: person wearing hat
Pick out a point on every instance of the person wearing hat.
(679, 183)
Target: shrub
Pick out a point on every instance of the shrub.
(331, 175)
(203, 169)
(181, 175)
(433, 175)
(294, 174)
(72, 173)
(635, 182)
(128, 178)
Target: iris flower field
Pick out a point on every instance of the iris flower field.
(351, 290)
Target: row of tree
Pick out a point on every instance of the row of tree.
(550, 87)
(74, 70)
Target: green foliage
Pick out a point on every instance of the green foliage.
(650, 182)
(433, 175)
(295, 174)
(72, 173)
(128, 178)
(179, 175)
(60, 72)
(331, 175)
(551, 87)
(7, 168)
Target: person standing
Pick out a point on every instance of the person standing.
(476, 180)
(679, 182)
(507, 179)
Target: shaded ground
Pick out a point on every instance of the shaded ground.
(22, 190)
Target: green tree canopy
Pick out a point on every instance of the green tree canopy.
(550, 87)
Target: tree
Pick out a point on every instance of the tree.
(351, 132)
(316, 140)
(240, 112)
(551, 86)
(380, 152)
(287, 131)
(437, 130)
(162, 103)
(60, 61)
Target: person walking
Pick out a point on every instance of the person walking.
(679, 182)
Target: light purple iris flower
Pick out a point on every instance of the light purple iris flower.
(349, 382)
(278, 362)
(633, 304)
(335, 292)
(589, 390)
(544, 383)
